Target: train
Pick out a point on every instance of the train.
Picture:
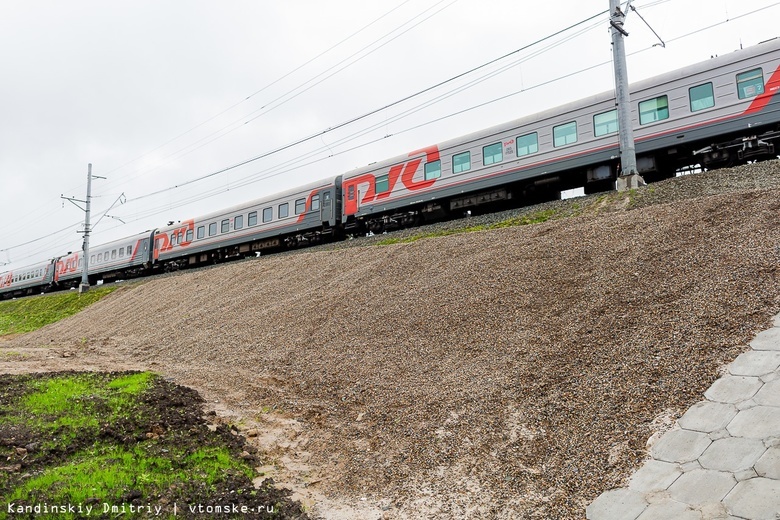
(720, 112)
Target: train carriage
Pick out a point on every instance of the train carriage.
(27, 280)
(715, 113)
(299, 216)
(126, 257)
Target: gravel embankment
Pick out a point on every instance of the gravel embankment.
(514, 373)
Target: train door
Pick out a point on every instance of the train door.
(326, 210)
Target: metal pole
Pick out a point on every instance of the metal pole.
(629, 177)
(84, 287)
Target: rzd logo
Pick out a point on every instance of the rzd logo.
(162, 241)
(365, 184)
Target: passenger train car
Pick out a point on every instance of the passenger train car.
(720, 112)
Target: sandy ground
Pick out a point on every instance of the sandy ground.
(515, 373)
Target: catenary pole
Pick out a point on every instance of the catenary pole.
(84, 287)
(629, 177)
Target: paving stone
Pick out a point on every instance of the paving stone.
(690, 466)
(716, 511)
(654, 475)
(702, 486)
(732, 454)
(769, 395)
(755, 363)
(756, 499)
(767, 340)
(745, 475)
(733, 389)
(670, 509)
(769, 464)
(680, 446)
(757, 423)
(746, 405)
(772, 376)
(720, 434)
(616, 504)
(707, 416)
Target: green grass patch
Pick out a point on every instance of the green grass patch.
(536, 217)
(121, 439)
(28, 314)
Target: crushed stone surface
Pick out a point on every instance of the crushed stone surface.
(513, 373)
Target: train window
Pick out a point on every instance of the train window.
(189, 235)
(461, 162)
(701, 97)
(201, 231)
(113, 254)
(129, 250)
(565, 134)
(382, 184)
(351, 192)
(121, 252)
(432, 170)
(81, 262)
(605, 124)
(527, 144)
(225, 226)
(750, 84)
(300, 206)
(315, 202)
(268, 214)
(100, 257)
(173, 239)
(252, 221)
(493, 153)
(238, 222)
(653, 110)
(284, 210)
(212, 229)
(92, 259)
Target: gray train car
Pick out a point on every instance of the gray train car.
(28, 280)
(712, 113)
(123, 258)
(299, 216)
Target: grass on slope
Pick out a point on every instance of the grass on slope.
(28, 314)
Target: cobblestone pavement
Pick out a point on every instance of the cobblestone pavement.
(722, 459)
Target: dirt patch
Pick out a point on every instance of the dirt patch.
(164, 417)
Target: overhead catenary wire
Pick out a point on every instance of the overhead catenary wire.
(365, 115)
(499, 98)
(42, 216)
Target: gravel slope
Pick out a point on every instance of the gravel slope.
(514, 373)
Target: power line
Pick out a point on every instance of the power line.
(367, 114)
(214, 192)
(240, 122)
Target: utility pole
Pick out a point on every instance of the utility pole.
(84, 286)
(629, 177)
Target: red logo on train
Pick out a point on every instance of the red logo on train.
(6, 280)
(69, 264)
(162, 241)
(405, 171)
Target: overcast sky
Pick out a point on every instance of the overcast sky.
(156, 93)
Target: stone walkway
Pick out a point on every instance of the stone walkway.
(722, 459)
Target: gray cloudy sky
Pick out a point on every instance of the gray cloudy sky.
(155, 93)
